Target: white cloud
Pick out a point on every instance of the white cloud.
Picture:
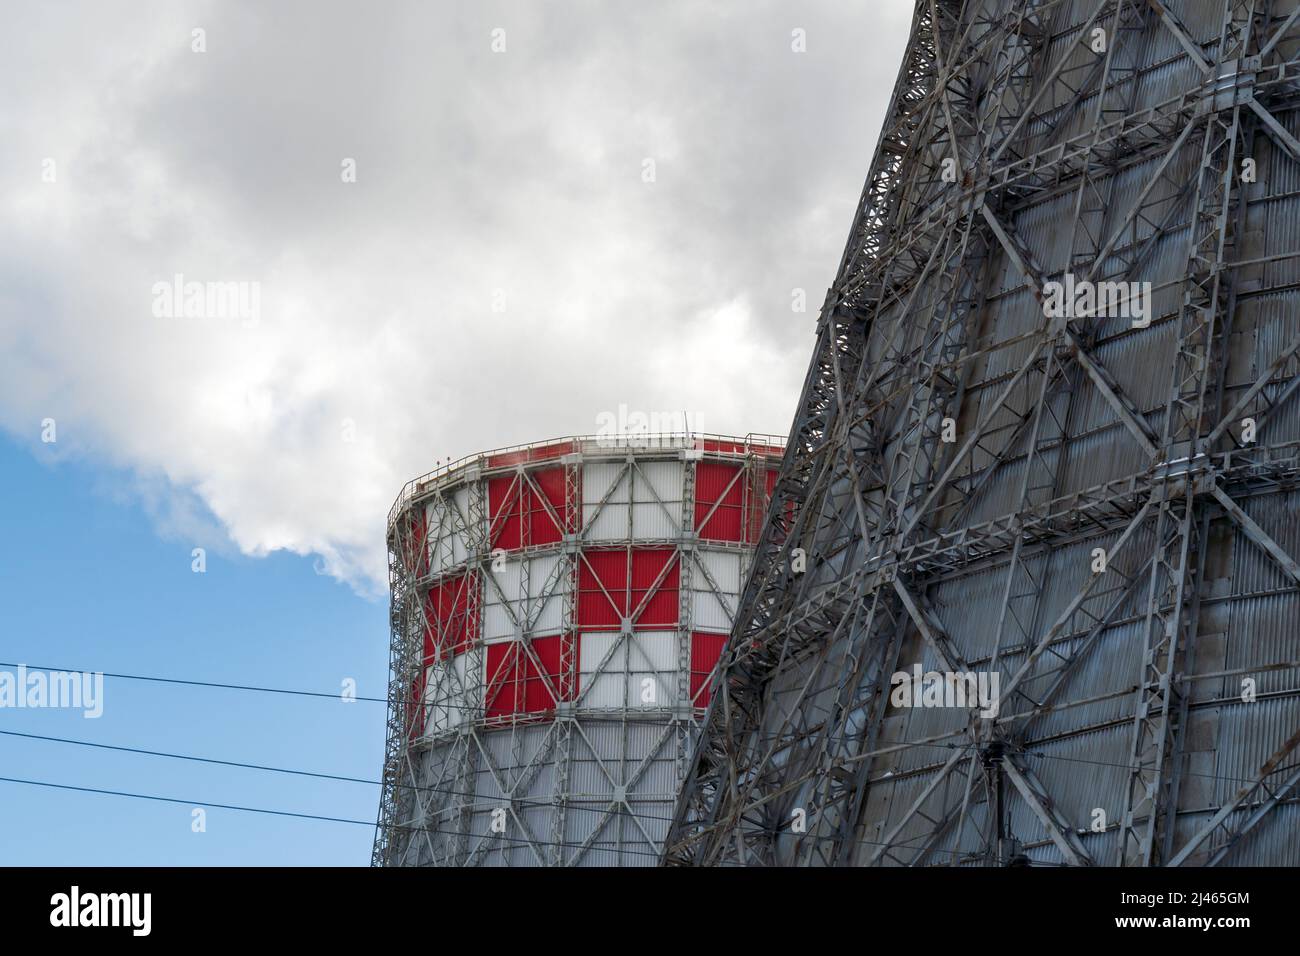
(518, 172)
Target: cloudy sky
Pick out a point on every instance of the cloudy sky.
(614, 206)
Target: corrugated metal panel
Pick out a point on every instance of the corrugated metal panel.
(447, 519)
(640, 672)
(445, 694)
(658, 481)
(652, 521)
(715, 609)
(1253, 569)
(1078, 734)
(502, 601)
(610, 521)
(459, 544)
(550, 580)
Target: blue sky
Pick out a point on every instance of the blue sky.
(87, 582)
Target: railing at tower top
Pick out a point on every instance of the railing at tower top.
(753, 443)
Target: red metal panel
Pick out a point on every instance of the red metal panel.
(661, 608)
(727, 447)
(609, 570)
(757, 503)
(597, 570)
(716, 484)
(451, 616)
(518, 514)
(515, 685)
(542, 528)
(538, 686)
(523, 456)
(705, 651)
(549, 452)
(504, 523)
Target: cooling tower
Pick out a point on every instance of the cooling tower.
(1026, 593)
(557, 612)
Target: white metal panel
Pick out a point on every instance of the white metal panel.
(658, 479)
(641, 672)
(714, 610)
(597, 479)
(502, 600)
(652, 521)
(541, 575)
(724, 567)
(657, 500)
(547, 593)
(653, 652)
(709, 613)
(503, 582)
(440, 529)
(608, 523)
(606, 688)
(447, 519)
(459, 545)
(449, 693)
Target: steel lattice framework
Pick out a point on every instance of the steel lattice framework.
(1099, 511)
(557, 611)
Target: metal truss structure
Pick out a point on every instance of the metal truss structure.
(557, 612)
(1095, 507)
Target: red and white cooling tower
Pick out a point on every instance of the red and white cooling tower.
(557, 612)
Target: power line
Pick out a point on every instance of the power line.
(461, 793)
(367, 823)
(368, 782)
(327, 776)
(192, 757)
(198, 683)
(312, 816)
(306, 773)
(384, 700)
(188, 803)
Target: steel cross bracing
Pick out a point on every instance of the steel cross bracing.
(1118, 163)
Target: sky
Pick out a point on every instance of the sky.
(454, 226)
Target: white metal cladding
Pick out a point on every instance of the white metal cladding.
(606, 493)
(514, 778)
(714, 588)
(657, 500)
(525, 595)
(632, 671)
(453, 692)
(548, 584)
(448, 520)
(642, 500)
(592, 780)
(504, 601)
